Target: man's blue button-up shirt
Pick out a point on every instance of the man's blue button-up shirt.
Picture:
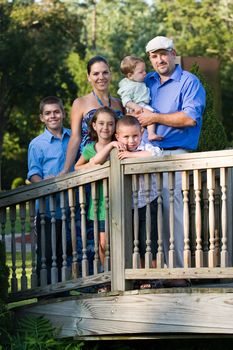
(182, 92)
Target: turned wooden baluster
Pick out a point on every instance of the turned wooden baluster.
(54, 269)
(223, 184)
(14, 282)
(82, 202)
(3, 225)
(22, 213)
(192, 226)
(185, 189)
(64, 269)
(71, 196)
(43, 271)
(205, 224)
(197, 189)
(148, 255)
(94, 194)
(217, 196)
(107, 245)
(136, 254)
(210, 187)
(171, 184)
(32, 215)
(160, 254)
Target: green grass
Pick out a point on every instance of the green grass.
(19, 267)
(18, 225)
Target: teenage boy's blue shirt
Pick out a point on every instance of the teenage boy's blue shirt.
(47, 154)
(182, 92)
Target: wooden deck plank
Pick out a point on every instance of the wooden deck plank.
(197, 312)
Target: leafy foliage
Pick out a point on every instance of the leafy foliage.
(17, 182)
(202, 28)
(4, 273)
(36, 39)
(45, 46)
(37, 333)
(213, 136)
(4, 314)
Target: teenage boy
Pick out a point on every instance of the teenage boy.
(46, 158)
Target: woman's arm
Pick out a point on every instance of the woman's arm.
(75, 138)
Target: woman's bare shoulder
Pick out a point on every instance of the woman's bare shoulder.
(81, 105)
(82, 100)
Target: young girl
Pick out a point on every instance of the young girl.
(102, 132)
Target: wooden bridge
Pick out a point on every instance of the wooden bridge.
(205, 307)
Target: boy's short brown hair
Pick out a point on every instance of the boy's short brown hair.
(51, 100)
(129, 63)
(127, 120)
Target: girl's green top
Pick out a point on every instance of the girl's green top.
(88, 153)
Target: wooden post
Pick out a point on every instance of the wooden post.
(14, 281)
(106, 204)
(43, 271)
(210, 187)
(136, 255)
(64, 270)
(72, 201)
(148, 255)
(120, 222)
(223, 183)
(23, 245)
(160, 254)
(82, 202)
(54, 269)
(95, 197)
(185, 189)
(32, 214)
(197, 189)
(171, 253)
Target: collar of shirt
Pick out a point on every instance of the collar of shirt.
(50, 136)
(176, 75)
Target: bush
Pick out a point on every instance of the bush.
(17, 182)
(4, 314)
(213, 136)
(4, 273)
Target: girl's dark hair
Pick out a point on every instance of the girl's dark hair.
(94, 60)
(92, 133)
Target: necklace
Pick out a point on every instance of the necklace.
(99, 100)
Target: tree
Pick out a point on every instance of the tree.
(35, 41)
(202, 28)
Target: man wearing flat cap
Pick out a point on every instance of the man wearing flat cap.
(178, 100)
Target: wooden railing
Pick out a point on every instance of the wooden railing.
(207, 224)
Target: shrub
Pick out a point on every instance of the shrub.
(213, 136)
(4, 273)
(17, 182)
(4, 314)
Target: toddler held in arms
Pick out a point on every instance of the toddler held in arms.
(133, 91)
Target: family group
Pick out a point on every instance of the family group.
(158, 113)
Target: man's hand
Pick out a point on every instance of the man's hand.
(146, 117)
